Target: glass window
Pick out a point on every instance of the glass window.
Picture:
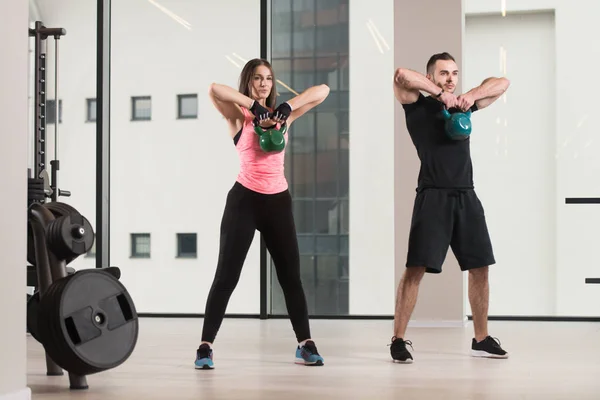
(172, 176)
(187, 245)
(310, 47)
(51, 111)
(141, 108)
(187, 106)
(140, 245)
(90, 110)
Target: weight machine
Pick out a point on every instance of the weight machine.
(86, 320)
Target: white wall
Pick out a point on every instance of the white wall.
(515, 184)
(577, 166)
(372, 259)
(168, 176)
(13, 164)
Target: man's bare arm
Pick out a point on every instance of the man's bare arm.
(485, 94)
(408, 84)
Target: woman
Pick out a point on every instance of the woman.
(259, 200)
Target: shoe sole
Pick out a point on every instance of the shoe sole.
(300, 361)
(205, 367)
(409, 361)
(485, 354)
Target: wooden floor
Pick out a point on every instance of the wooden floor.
(254, 360)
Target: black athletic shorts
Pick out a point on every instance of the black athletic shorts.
(444, 218)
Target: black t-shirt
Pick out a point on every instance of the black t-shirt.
(445, 163)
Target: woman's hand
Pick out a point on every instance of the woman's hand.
(281, 113)
(260, 112)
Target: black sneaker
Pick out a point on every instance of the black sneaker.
(488, 347)
(399, 352)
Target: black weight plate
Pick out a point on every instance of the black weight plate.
(50, 329)
(46, 312)
(33, 306)
(64, 242)
(97, 319)
(58, 209)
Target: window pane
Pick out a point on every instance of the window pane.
(307, 275)
(326, 216)
(187, 244)
(280, 26)
(344, 245)
(303, 73)
(283, 74)
(306, 244)
(140, 245)
(142, 108)
(188, 106)
(327, 131)
(327, 244)
(91, 110)
(51, 111)
(327, 155)
(344, 216)
(304, 214)
(330, 292)
(303, 168)
(344, 171)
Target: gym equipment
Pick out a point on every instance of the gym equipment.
(33, 306)
(33, 301)
(271, 140)
(59, 210)
(458, 125)
(86, 320)
(70, 236)
(50, 188)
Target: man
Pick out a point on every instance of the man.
(447, 212)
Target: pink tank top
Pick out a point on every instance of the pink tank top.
(259, 171)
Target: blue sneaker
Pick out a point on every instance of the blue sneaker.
(308, 354)
(204, 357)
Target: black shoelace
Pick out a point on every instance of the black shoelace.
(401, 341)
(204, 352)
(311, 347)
(495, 342)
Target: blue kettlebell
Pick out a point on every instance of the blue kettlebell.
(458, 125)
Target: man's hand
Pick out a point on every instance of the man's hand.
(449, 100)
(465, 101)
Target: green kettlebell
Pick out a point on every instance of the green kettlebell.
(271, 140)
(458, 125)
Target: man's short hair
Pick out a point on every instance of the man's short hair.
(434, 58)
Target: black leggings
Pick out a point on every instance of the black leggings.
(245, 212)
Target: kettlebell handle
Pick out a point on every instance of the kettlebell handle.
(261, 131)
(447, 114)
